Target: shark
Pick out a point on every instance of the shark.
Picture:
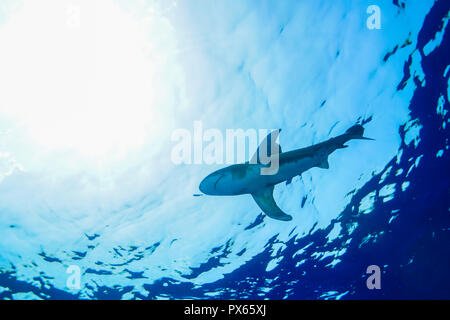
(246, 178)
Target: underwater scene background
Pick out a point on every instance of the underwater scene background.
(91, 92)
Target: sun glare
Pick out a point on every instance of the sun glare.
(79, 75)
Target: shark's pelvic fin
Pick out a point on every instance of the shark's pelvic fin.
(265, 201)
(324, 164)
(265, 146)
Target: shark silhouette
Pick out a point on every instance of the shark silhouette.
(246, 178)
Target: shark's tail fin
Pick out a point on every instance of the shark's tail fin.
(356, 132)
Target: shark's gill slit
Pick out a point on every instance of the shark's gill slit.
(215, 184)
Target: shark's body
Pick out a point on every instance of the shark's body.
(246, 178)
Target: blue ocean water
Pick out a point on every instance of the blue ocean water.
(137, 232)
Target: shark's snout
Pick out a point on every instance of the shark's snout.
(209, 184)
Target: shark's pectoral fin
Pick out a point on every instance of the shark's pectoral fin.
(324, 164)
(265, 201)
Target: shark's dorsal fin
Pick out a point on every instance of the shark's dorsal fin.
(265, 201)
(265, 145)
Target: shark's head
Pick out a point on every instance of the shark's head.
(210, 185)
